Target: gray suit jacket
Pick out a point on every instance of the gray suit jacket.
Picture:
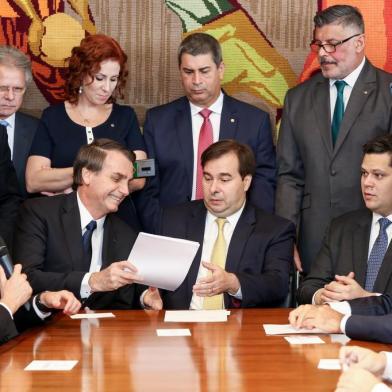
(25, 127)
(346, 248)
(317, 182)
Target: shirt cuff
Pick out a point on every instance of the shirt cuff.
(380, 388)
(8, 309)
(142, 304)
(388, 367)
(85, 289)
(238, 294)
(41, 315)
(341, 307)
(343, 322)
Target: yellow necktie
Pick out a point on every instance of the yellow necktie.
(218, 257)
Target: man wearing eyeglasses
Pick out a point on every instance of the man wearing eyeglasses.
(15, 74)
(326, 121)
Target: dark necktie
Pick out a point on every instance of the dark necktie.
(377, 254)
(339, 109)
(86, 239)
(205, 139)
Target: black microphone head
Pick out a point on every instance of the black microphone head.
(3, 247)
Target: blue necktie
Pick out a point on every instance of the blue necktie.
(377, 254)
(339, 109)
(86, 239)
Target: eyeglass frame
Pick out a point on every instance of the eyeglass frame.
(320, 45)
(15, 90)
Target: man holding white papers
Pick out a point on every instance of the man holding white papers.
(245, 254)
(75, 241)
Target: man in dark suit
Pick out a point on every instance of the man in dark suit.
(246, 253)
(15, 292)
(346, 266)
(177, 133)
(319, 147)
(74, 241)
(15, 74)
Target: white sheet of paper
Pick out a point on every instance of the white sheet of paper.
(50, 365)
(339, 338)
(196, 316)
(287, 329)
(304, 339)
(163, 262)
(329, 364)
(91, 315)
(174, 332)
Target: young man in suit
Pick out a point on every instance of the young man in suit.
(356, 259)
(75, 241)
(15, 75)
(245, 254)
(325, 122)
(178, 132)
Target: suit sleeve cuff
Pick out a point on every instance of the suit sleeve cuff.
(8, 309)
(85, 289)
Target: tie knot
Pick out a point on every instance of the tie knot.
(340, 85)
(220, 222)
(205, 113)
(384, 223)
(4, 123)
(91, 226)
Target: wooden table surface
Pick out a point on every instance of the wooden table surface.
(125, 354)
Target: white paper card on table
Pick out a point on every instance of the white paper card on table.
(50, 365)
(174, 332)
(304, 340)
(287, 329)
(329, 364)
(196, 316)
(91, 315)
(163, 262)
(339, 338)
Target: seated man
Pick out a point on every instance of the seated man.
(15, 292)
(365, 370)
(355, 259)
(245, 254)
(74, 241)
(368, 318)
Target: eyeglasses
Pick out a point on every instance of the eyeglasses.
(15, 90)
(329, 47)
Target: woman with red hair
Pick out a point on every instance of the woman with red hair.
(97, 72)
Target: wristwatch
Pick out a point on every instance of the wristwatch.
(40, 306)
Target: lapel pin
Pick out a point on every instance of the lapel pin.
(232, 120)
(365, 92)
(112, 125)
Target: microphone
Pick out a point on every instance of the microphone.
(8, 266)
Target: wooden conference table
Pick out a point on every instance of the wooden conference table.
(125, 354)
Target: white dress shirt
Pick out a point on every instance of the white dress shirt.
(210, 235)
(11, 132)
(197, 122)
(96, 246)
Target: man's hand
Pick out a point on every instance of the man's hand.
(297, 259)
(219, 281)
(60, 300)
(313, 316)
(356, 380)
(363, 358)
(15, 291)
(116, 275)
(152, 299)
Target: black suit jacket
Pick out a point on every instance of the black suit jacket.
(259, 254)
(168, 137)
(345, 249)
(48, 243)
(25, 127)
(371, 319)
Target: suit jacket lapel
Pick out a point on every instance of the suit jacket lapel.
(72, 231)
(363, 88)
(109, 244)
(21, 142)
(229, 119)
(183, 124)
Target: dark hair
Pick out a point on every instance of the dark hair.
(345, 15)
(85, 61)
(246, 158)
(379, 145)
(92, 156)
(200, 43)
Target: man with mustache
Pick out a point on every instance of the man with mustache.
(326, 120)
(177, 133)
(75, 242)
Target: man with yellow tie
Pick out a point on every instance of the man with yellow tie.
(245, 254)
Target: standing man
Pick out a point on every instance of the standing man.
(177, 133)
(325, 122)
(245, 254)
(74, 241)
(15, 74)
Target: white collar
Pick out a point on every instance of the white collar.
(216, 107)
(351, 78)
(232, 219)
(85, 216)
